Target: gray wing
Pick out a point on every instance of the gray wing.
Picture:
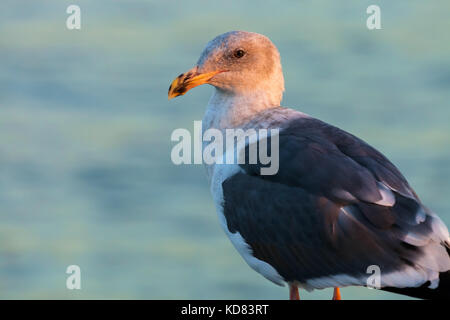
(335, 207)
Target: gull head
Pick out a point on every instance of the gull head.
(236, 63)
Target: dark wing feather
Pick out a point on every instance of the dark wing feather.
(370, 158)
(318, 216)
(305, 236)
(330, 162)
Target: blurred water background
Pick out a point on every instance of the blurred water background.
(85, 125)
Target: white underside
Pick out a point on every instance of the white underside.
(408, 277)
(220, 173)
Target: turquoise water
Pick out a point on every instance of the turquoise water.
(85, 125)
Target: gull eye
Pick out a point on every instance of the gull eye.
(239, 53)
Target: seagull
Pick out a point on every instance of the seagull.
(335, 208)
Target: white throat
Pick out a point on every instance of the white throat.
(227, 110)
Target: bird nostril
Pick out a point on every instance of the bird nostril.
(188, 76)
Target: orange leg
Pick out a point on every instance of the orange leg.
(336, 294)
(293, 292)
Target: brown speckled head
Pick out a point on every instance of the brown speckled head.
(250, 60)
(238, 62)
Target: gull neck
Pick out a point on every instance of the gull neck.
(227, 109)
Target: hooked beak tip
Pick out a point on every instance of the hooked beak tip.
(186, 81)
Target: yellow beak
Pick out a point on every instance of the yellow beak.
(188, 80)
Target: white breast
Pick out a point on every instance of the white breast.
(224, 112)
(220, 172)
